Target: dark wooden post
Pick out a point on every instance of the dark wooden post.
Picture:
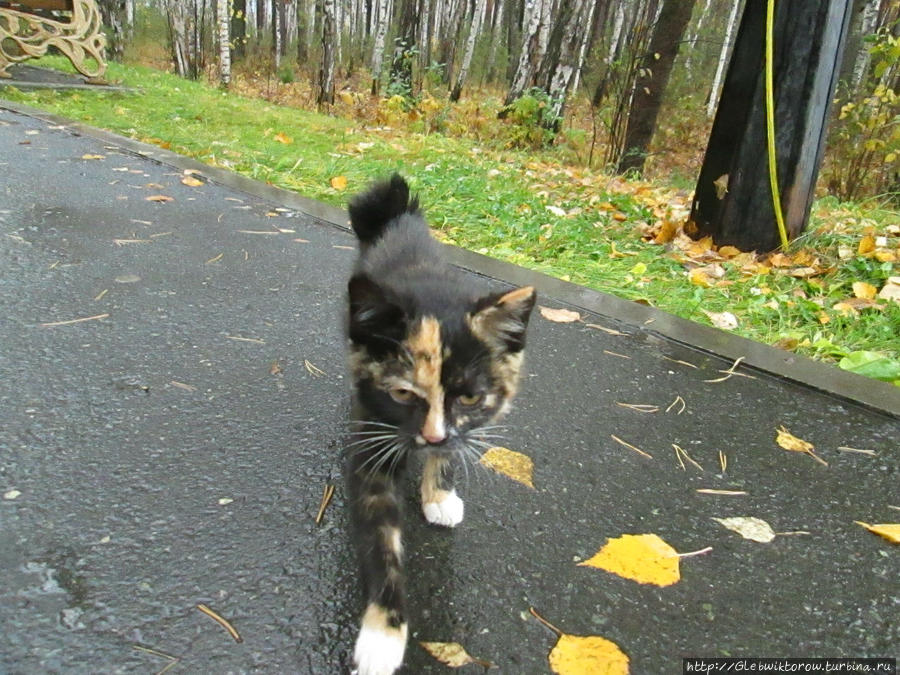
(733, 198)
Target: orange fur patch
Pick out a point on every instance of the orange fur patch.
(425, 346)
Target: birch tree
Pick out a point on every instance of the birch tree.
(723, 58)
(186, 24)
(382, 18)
(474, 32)
(564, 55)
(113, 14)
(496, 31)
(326, 72)
(223, 17)
(535, 35)
(692, 40)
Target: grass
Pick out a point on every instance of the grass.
(529, 208)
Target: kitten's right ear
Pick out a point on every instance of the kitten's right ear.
(375, 319)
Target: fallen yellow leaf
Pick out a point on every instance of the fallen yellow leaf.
(560, 315)
(511, 464)
(190, 181)
(452, 654)
(645, 558)
(282, 138)
(159, 198)
(666, 232)
(729, 251)
(339, 182)
(863, 290)
(749, 527)
(587, 655)
(88, 156)
(699, 277)
(866, 245)
(788, 441)
(890, 531)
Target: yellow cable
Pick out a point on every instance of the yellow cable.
(770, 122)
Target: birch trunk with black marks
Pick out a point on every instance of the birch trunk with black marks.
(723, 58)
(534, 46)
(223, 18)
(326, 72)
(474, 33)
(564, 55)
(382, 18)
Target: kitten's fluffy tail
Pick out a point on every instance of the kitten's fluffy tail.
(372, 212)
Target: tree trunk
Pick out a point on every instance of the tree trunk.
(277, 33)
(496, 33)
(474, 32)
(649, 89)
(326, 73)
(723, 58)
(692, 40)
(404, 50)
(733, 199)
(381, 25)
(425, 37)
(534, 46)
(223, 18)
(868, 23)
(180, 15)
(564, 56)
(113, 13)
(450, 30)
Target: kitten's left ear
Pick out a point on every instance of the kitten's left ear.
(501, 318)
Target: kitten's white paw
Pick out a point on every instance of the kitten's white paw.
(379, 649)
(447, 512)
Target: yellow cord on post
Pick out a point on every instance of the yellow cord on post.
(770, 122)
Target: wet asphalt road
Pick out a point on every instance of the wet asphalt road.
(175, 452)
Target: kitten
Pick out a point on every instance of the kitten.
(434, 361)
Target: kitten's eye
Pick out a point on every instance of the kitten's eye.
(402, 395)
(469, 401)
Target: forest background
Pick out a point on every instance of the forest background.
(601, 108)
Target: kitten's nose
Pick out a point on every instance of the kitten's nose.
(434, 437)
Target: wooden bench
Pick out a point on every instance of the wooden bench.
(29, 27)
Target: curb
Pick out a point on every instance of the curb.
(786, 366)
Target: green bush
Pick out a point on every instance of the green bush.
(533, 119)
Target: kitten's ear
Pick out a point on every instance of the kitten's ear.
(375, 320)
(500, 319)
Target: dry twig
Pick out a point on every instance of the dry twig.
(327, 494)
(631, 447)
(71, 321)
(221, 621)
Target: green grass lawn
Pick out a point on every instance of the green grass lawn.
(529, 209)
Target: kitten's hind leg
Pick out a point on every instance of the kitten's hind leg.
(440, 503)
(383, 630)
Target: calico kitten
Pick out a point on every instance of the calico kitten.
(434, 361)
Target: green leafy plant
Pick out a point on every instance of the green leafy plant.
(533, 122)
(865, 147)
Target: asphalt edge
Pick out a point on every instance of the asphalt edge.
(853, 389)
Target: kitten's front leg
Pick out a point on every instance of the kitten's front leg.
(440, 503)
(383, 630)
